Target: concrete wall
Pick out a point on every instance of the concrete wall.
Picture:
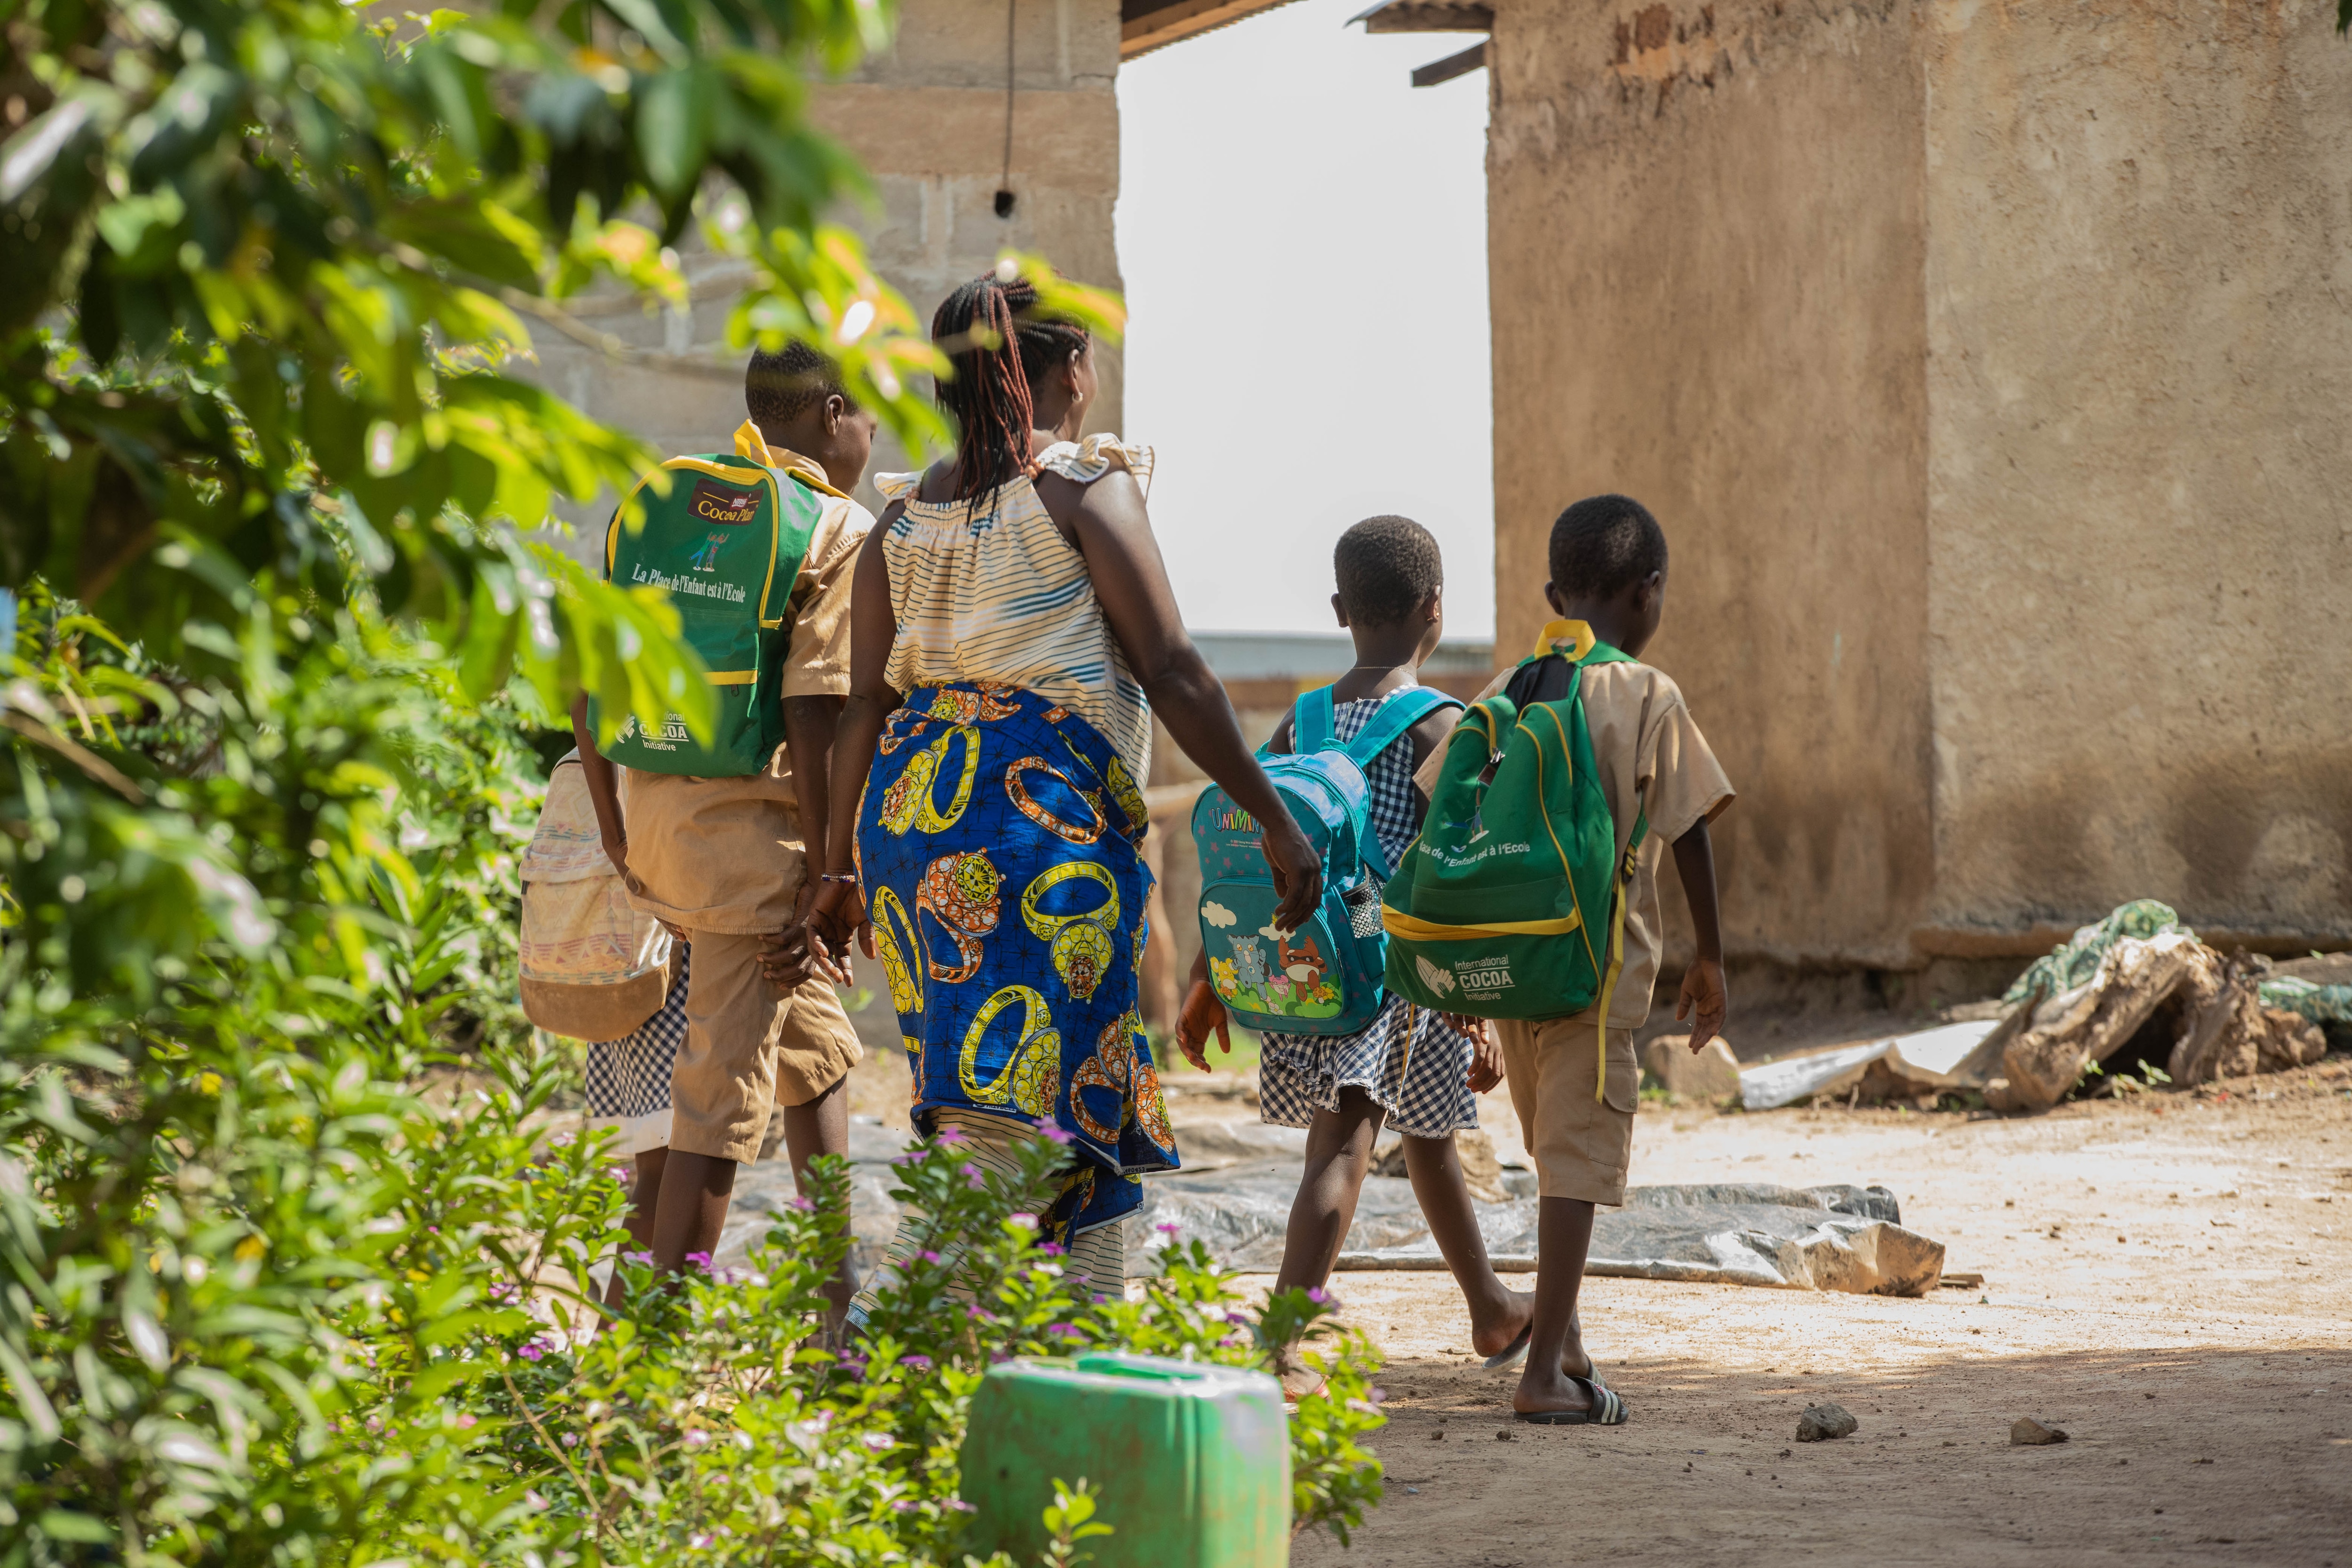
(1705, 248)
(927, 120)
(2140, 316)
(1982, 363)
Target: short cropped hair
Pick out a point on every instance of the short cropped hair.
(1387, 568)
(1602, 544)
(778, 386)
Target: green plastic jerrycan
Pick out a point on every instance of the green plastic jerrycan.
(1191, 1461)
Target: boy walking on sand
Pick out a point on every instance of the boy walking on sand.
(1609, 584)
(1417, 1070)
(722, 861)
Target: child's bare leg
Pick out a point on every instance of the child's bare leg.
(1564, 1236)
(1497, 1315)
(822, 1127)
(1338, 1155)
(644, 1195)
(692, 1210)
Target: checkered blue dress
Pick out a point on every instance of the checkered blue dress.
(628, 1079)
(1409, 1059)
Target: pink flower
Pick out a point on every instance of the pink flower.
(950, 1135)
(694, 1437)
(620, 1173)
(699, 1259)
(1167, 1228)
(531, 1351)
(1060, 1330)
(638, 1259)
(957, 1505)
(1319, 1295)
(919, 1363)
(905, 1505)
(534, 1499)
(466, 1420)
(801, 1203)
(929, 1256)
(877, 1442)
(1053, 1249)
(700, 1540)
(1048, 1129)
(572, 1439)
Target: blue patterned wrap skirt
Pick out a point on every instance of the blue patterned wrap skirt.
(999, 845)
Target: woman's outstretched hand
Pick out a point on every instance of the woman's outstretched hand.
(1298, 871)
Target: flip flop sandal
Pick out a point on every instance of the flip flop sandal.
(1510, 1355)
(1607, 1408)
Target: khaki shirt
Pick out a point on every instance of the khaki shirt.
(1652, 759)
(725, 856)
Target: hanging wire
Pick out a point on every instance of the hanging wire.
(1004, 183)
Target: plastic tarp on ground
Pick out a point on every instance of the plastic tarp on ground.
(1956, 1056)
(1806, 1238)
(1812, 1238)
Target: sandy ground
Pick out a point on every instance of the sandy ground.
(2165, 1278)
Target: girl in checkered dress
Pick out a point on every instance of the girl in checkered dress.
(1410, 1069)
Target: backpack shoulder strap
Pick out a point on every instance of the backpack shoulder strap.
(1401, 712)
(1310, 721)
(1604, 654)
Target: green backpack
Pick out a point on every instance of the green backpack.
(728, 542)
(1511, 904)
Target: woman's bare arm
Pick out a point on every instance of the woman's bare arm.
(873, 627)
(1108, 521)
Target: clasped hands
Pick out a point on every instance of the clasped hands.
(817, 941)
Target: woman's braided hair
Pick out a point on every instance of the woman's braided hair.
(987, 389)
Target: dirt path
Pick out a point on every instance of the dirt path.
(2165, 1278)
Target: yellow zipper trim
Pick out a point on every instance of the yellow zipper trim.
(1415, 928)
(733, 676)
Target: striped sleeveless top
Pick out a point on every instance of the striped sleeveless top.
(998, 594)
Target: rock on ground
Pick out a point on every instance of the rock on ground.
(1712, 1074)
(1822, 1423)
(2026, 1432)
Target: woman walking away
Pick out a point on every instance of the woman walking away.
(1012, 633)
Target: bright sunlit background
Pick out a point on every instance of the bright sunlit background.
(1304, 238)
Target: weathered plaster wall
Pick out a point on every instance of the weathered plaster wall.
(2139, 315)
(1705, 246)
(927, 120)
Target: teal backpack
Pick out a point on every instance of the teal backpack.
(1325, 978)
(728, 542)
(1511, 904)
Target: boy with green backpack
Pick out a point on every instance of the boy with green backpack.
(757, 548)
(1531, 897)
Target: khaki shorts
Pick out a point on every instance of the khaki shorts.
(750, 1046)
(1581, 1145)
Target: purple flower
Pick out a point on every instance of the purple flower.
(1240, 1318)
(950, 1135)
(694, 1437)
(531, 1351)
(638, 1259)
(1167, 1228)
(929, 1256)
(911, 1157)
(700, 1260)
(853, 1365)
(1053, 1249)
(905, 1505)
(1048, 1129)
(960, 1506)
(919, 1363)
(1060, 1329)
(621, 1174)
(802, 1203)
(1319, 1295)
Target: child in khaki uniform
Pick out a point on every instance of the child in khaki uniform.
(722, 861)
(1609, 582)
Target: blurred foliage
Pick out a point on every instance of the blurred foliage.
(290, 1271)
